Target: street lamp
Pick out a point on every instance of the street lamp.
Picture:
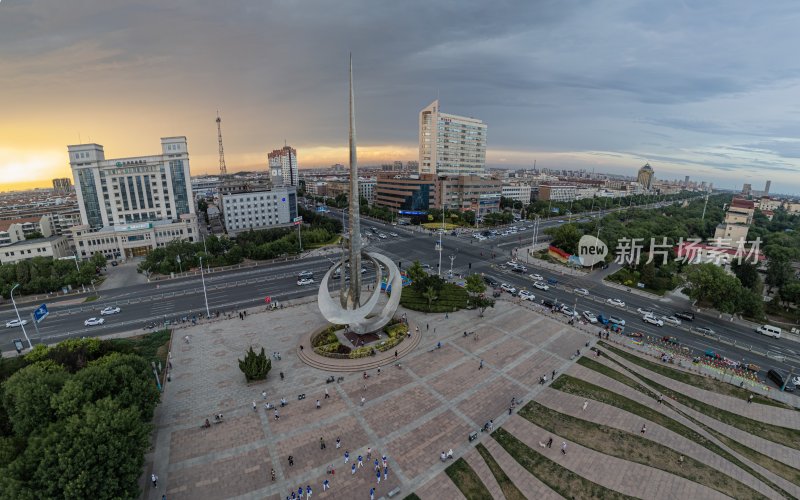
(205, 295)
(439, 270)
(30, 346)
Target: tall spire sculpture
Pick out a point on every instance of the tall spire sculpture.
(350, 310)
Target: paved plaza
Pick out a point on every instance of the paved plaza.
(410, 414)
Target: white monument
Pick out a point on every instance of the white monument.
(351, 310)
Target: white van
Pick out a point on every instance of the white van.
(769, 330)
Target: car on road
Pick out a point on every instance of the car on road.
(552, 281)
(780, 378)
(381, 236)
(541, 285)
(649, 318)
(508, 288)
(491, 282)
(511, 263)
(536, 277)
(645, 312)
(526, 295)
(15, 322)
(305, 281)
(589, 316)
(550, 304)
(109, 310)
(305, 274)
(616, 302)
(616, 320)
(581, 291)
(672, 320)
(567, 311)
(519, 269)
(705, 331)
(114, 263)
(393, 235)
(94, 321)
(687, 315)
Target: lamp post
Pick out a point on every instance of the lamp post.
(452, 258)
(439, 270)
(205, 295)
(30, 346)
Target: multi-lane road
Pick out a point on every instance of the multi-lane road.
(231, 290)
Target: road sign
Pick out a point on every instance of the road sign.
(297, 220)
(40, 313)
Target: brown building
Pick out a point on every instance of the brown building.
(414, 193)
(461, 193)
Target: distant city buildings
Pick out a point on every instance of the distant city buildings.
(256, 205)
(645, 177)
(557, 192)
(62, 186)
(283, 167)
(450, 144)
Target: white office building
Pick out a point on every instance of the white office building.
(366, 189)
(283, 166)
(517, 192)
(247, 206)
(450, 144)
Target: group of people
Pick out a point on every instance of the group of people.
(444, 457)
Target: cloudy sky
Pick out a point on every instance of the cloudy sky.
(707, 89)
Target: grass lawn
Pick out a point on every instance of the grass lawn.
(510, 491)
(412, 496)
(770, 432)
(584, 389)
(438, 225)
(634, 448)
(561, 480)
(91, 298)
(467, 480)
(451, 298)
(614, 374)
(706, 383)
(152, 346)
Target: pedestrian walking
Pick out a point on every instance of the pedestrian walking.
(564, 448)
(384, 461)
(300, 492)
(377, 467)
(318, 405)
(480, 367)
(327, 396)
(378, 475)
(554, 375)
(308, 491)
(385, 472)
(325, 485)
(550, 442)
(346, 456)
(509, 410)
(321, 444)
(154, 478)
(363, 399)
(353, 469)
(427, 327)
(276, 414)
(338, 443)
(255, 408)
(585, 404)
(291, 461)
(644, 428)
(372, 494)
(395, 354)
(750, 399)
(264, 394)
(360, 461)
(446, 316)
(369, 453)
(273, 474)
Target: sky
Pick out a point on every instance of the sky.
(707, 89)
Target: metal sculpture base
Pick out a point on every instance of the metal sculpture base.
(357, 319)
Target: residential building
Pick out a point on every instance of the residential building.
(450, 144)
(767, 203)
(283, 166)
(737, 222)
(461, 193)
(62, 185)
(12, 231)
(517, 192)
(412, 166)
(53, 246)
(131, 190)
(557, 192)
(645, 177)
(125, 241)
(366, 189)
(256, 205)
(406, 193)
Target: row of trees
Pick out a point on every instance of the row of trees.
(75, 422)
(45, 275)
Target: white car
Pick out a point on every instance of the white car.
(15, 322)
(704, 330)
(616, 302)
(526, 295)
(645, 312)
(652, 320)
(616, 321)
(94, 321)
(566, 311)
(589, 316)
(511, 263)
(381, 236)
(536, 277)
(581, 291)
(305, 281)
(541, 285)
(305, 274)
(109, 310)
(508, 288)
(672, 320)
(393, 235)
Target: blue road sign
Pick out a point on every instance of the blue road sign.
(40, 313)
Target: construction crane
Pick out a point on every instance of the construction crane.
(223, 170)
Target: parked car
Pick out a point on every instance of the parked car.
(616, 320)
(508, 288)
(526, 295)
(652, 320)
(567, 311)
(541, 285)
(590, 317)
(15, 323)
(581, 291)
(536, 277)
(490, 281)
(305, 274)
(94, 321)
(616, 302)
(305, 281)
(109, 310)
(550, 304)
(779, 378)
(687, 315)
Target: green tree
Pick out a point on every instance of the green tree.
(747, 274)
(779, 270)
(416, 272)
(27, 394)
(255, 366)
(481, 302)
(475, 284)
(566, 237)
(750, 304)
(710, 284)
(430, 294)
(790, 293)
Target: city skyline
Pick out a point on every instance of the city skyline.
(569, 85)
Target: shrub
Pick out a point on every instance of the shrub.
(255, 366)
(396, 330)
(361, 352)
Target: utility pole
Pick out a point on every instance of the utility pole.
(452, 258)
(440, 245)
(205, 295)
(30, 346)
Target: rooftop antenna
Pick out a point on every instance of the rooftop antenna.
(223, 170)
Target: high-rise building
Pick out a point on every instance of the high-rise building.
(686, 181)
(450, 144)
(766, 188)
(136, 189)
(283, 166)
(645, 177)
(62, 186)
(747, 189)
